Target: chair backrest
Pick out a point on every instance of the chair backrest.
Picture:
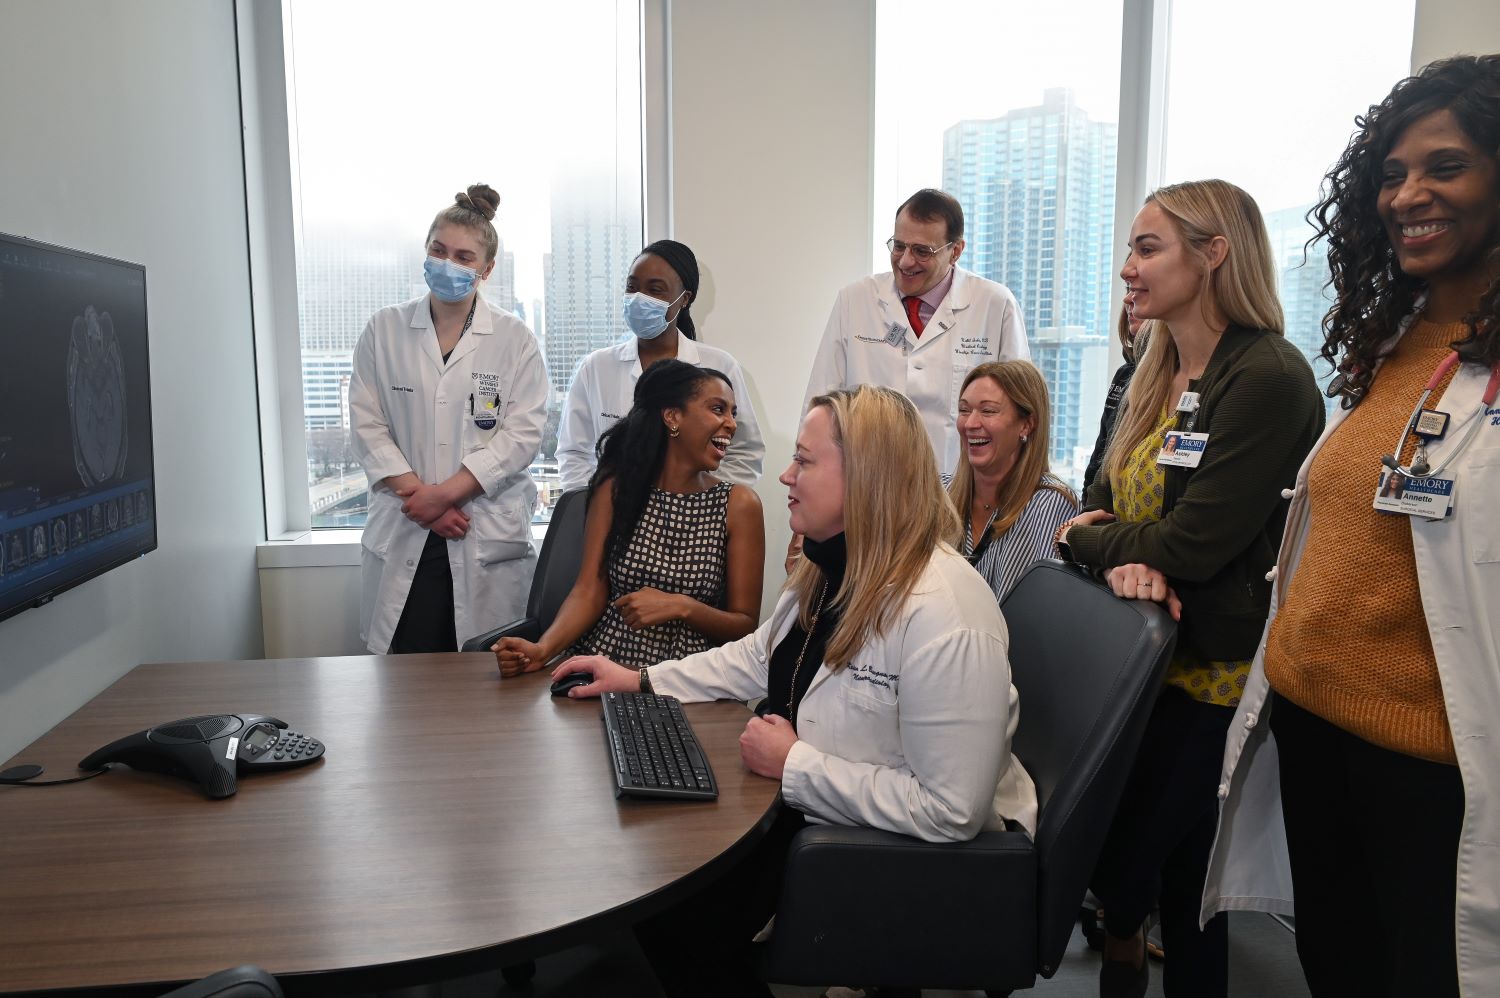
(240, 982)
(562, 553)
(1088, 667)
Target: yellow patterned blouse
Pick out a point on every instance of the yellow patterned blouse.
(1139, 492)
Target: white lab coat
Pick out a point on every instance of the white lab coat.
(1458, 574)
(603, 389)
(409, 414)
(913, 736)
(868, 340)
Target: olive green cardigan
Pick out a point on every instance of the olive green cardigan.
(1222, 521)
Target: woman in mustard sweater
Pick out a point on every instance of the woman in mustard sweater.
(1384, 649)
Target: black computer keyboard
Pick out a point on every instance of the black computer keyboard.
(654, 750)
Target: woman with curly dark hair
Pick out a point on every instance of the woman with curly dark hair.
(672, 556)
(1382, 655)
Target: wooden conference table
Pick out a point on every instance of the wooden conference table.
(456, 823)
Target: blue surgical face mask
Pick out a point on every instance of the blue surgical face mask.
(646, 316)
(448, 280)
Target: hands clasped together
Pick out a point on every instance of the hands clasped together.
(431, 507)
(643, 608)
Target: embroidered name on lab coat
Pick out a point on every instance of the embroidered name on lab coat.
(973, 346)
(867, 674)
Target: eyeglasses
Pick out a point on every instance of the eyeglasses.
(898, 248)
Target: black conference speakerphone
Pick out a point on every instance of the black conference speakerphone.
(653, 750)
(211, 749)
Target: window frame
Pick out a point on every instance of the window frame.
(269, 129)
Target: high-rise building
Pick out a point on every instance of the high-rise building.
(325, 388)
(1302, 271)
(343, 277)
(500, 289)
(596, 232)
(1038, 189)
(1073, 363)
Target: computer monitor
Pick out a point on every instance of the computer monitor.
(77, 487)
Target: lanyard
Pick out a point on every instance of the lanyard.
(1419, 467)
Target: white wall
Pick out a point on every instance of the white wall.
(120, 125)
(772, 126)
(1454, 27)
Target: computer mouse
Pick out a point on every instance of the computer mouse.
(572, 679)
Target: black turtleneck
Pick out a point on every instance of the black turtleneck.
(829, 556)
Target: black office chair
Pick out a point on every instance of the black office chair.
(885, 910)
(241, 982)
(556, 571)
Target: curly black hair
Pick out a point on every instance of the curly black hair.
(631, 452)
(1372, 294)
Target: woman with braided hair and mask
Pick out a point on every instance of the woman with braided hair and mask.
(672, 554)
(447, 400)
(659, 296)
(1379, 673)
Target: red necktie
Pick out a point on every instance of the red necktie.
(914, 313)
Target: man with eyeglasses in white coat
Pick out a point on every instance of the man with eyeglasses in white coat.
(923, 325)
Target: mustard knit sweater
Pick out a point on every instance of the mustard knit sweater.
(1350, 642)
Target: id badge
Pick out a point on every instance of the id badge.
(895, 334)
(1182, 449)
(484, 417)
(1431, 498)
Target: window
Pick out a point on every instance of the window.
(395, 106)
(1012, 108)
(1025, 136)
(1232, 115)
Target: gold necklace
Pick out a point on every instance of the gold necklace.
(792, 693)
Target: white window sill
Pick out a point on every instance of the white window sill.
(310, 549)
(329, 548)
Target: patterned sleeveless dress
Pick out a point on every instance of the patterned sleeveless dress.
(680, 545)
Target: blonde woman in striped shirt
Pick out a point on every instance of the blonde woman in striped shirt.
(1010, 504)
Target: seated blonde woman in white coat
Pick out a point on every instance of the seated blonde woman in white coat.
(888, 702)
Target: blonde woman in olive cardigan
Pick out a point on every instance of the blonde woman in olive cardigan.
(1198, 539)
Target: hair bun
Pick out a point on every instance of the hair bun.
(481, 198)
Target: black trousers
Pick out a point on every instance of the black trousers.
(1159, 842)
(426, 623)
(702, 945)
(1373, 836)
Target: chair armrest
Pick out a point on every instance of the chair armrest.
(528, 628)
(885, 910)
(241, 982)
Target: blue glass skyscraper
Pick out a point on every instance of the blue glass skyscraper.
(1038, 189)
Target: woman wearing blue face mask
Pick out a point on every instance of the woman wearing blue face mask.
(447, 401)
(661, 289)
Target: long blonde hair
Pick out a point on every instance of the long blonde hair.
(1023, 384)
(895, 514)
(1242, 289)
